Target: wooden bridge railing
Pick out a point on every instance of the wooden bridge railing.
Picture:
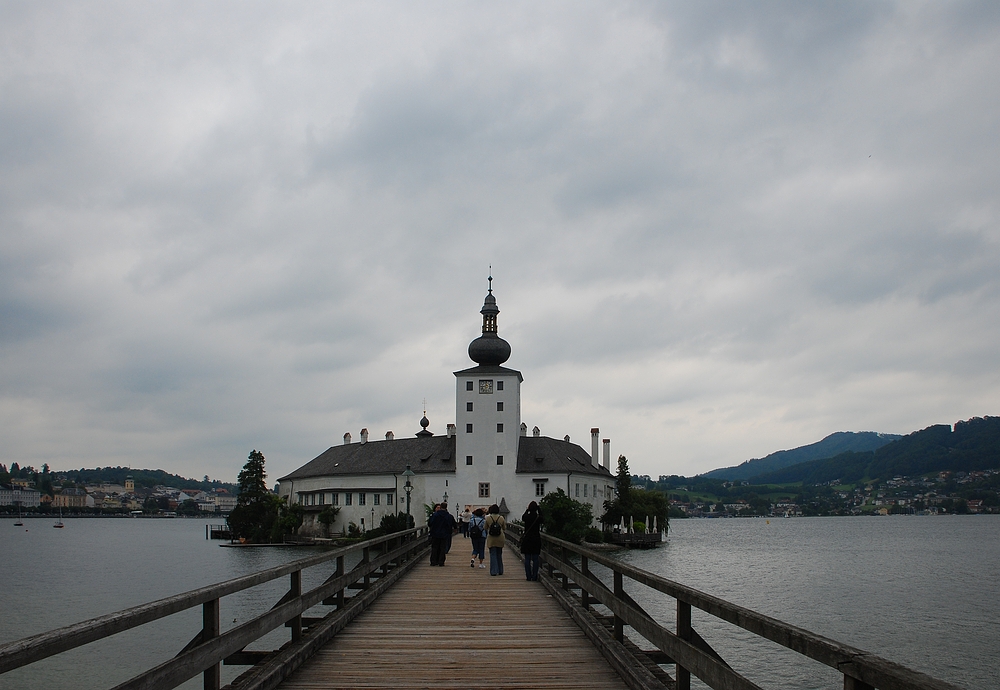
(382, 561)
(683, 646)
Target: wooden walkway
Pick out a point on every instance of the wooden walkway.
(457, 628)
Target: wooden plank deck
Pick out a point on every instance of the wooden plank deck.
(457, 628)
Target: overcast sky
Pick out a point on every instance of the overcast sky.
(716, 230)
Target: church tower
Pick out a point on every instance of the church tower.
(487, 418)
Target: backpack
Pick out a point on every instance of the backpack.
(476, 528)
(495, 529)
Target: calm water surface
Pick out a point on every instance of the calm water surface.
(94, 566)
(921, 591)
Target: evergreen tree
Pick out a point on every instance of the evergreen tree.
(565, 518)
(251, 479)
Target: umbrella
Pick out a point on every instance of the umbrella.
(647, 524)
(622, 528)
(631, 524)
(655, 528)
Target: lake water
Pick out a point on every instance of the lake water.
(921, 591)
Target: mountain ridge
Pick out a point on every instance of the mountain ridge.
(830, 446)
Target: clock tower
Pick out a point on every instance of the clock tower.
(487, 418)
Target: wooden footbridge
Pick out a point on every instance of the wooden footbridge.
(394, 621)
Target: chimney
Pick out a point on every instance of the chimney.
(535, 432)
(566, 438)
(389, 436)
(347, 438)
(607, 454)
(595, 446)
(451, 430)
(364, 435)
(524, 429)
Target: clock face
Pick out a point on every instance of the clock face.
(485, 386)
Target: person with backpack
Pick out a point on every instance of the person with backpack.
(477, 532)
(531, 542)
(495, 539)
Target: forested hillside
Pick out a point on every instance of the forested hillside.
(971, 445)
(832, 445)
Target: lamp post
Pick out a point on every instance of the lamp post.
(444, 499)
(408, 487)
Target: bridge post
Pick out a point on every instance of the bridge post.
(584, 595)
(619, 595)
(365, 559)
(338, 573)
(851, 683)
(296, 591)
(684, 632)
(212, 676)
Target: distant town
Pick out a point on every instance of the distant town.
(937, 494)
(28, 490)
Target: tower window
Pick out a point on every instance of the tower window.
(468, 407)
(499, 407)
(468, 459)
(484, 489)
(468, 385)
(499, 428)
(499, 459)
(499, 385)
(468, 428)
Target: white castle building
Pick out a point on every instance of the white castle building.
(485, 457)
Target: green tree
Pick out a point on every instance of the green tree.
(150, 507)
(251, 478)
(326, 517)
(259, 515)
(188, 507)
(565, 518)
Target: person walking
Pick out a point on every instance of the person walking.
(440, 525)
(466, 516)
(531, 542)
(495, 539)
(477, 532)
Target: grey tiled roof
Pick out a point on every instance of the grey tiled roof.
(428, 454)
(542, 455)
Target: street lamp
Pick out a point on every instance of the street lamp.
(408, 487)
(444, 499)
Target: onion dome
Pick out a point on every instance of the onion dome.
(424, 423)
(489, 349)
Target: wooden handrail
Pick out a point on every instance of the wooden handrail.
(861, 669)
(209, 652)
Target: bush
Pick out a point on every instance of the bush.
(639, 527)
(594, 536)
(565, 518)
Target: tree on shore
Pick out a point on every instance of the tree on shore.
(565, 518)
(260, 516)
(634, 504)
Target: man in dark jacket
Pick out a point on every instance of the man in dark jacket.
(441, 526)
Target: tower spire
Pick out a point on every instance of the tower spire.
(489, 348)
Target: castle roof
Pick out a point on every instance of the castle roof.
(544, 455)
(424, 454)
